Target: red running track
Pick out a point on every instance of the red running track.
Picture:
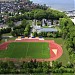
(52, 45)
(4, 45)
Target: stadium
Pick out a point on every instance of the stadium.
(30, 48)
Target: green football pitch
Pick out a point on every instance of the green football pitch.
(26, 50)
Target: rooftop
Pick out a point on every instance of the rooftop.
(48, 30)
(41, 29)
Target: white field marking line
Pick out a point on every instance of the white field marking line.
(42, 49)
(27, 49)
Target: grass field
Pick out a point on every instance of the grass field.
(57, 40)
(26, 50)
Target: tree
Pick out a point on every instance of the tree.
(54, 35)
(40, 34)
(70, 50)
(24, 23)
(27, 30)
(10, 23)
(66, 26)
(0, 35)
(54, 15)
(13, 33)
(69, 43)
(69, 65)
(74, 41)
(61, 69)
(38, 14)
(57, 64)
(35, 34)
(11, 65)
(26, 33)
(48, 34)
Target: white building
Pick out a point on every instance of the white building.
(73, 20)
